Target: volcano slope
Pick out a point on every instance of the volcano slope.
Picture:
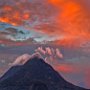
(35, 74)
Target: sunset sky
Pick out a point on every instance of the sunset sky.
(65, 20)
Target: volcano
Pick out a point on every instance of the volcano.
(35, 74)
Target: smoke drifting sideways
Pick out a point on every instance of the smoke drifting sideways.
(50, 56)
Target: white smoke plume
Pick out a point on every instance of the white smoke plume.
(48, 51)
(24, 58)
(21, 59)
(40, 49)
(58, 53)
(50, 55)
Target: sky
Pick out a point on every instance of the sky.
(67, 21)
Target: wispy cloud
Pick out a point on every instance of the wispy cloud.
(67, 19)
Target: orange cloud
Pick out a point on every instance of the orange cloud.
(7, 8)
(68, 19)
(66, 68)
(73, 21)
(26, 16)
(15, 15)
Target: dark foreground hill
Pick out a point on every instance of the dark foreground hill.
(34, 75)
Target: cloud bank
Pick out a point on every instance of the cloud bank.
(68, 20)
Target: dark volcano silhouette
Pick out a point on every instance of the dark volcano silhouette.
(35, 74)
